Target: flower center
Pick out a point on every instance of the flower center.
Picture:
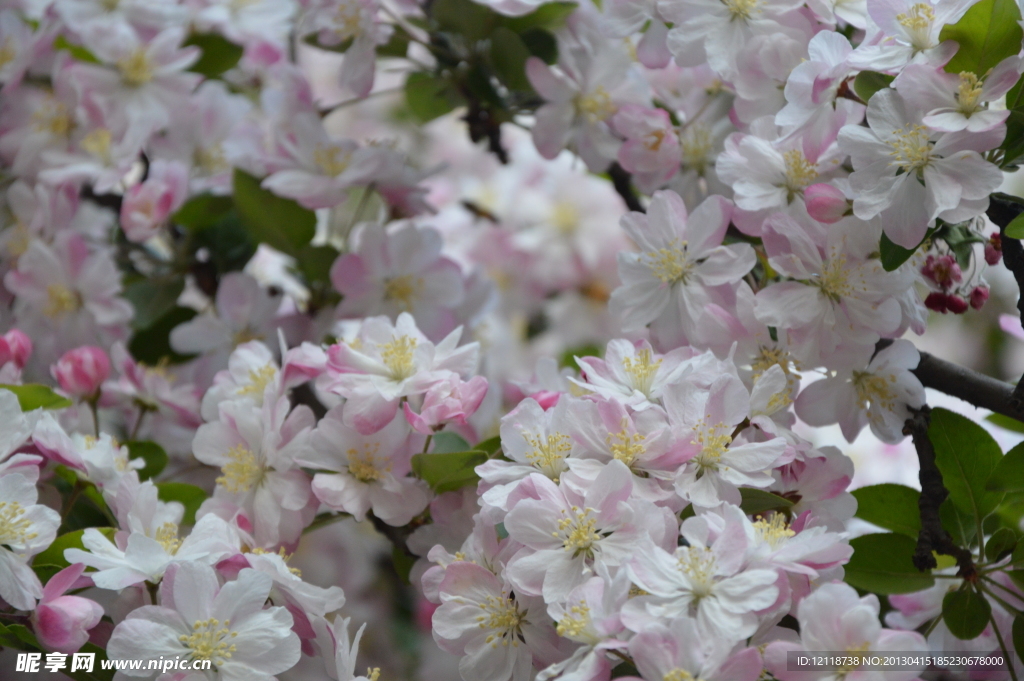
(136, 68)
(397, 357)
(548, 453)
(714, 441)
(14, 528)
(97, 143)
(642, 370)
(575, 621)
(697, 145)
(799, 172)
(918, 23)
(625, 447)
(402, 290)
(654, 139)
(167, 535)
(565, 218)
(211, 159)
(363, 466)
(60, 300)
(332, 160)
(502, 617)
(968, 93)
(834, 280)
(670, 264)
(742, 9)
(597, 106)
(259, 379)
(242, 472)
(875, 390)
(7, 53)
(773, 531)
(911, 150)
(698, 563)
(210, 640)
(578, 532)
(53, 117)
(678, 674)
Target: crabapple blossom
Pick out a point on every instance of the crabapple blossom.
(81, 372)
(26, 528)
(62, 622)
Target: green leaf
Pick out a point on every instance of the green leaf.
(1015, 230)
(270, 219)
(472, 20)
(548, 16)
(1008, 475)
(315, 262)
(508, 57)
(429, 97)
(227, 242)
(396, 46)
(987, 34)
(403, 563)
(35, 396)
(1013, 143)
(568, 358)
(77, 51)
(152, 299)
(1002, 542)
(190, 496)
(894, 255)
(966, 613)
(150, 452)
(867, 83)
(1006, 422)
(756, 501)
(1018, 635)
(882, 563)
(447, 442)
(966, 456)
(54, 554)
(541, 44)
(491, 445)
(203, 211)
(890, 506)
(449, 471)
(500, 530)
(961, 527)
(219, 54)
(8, 639)
(152, 345)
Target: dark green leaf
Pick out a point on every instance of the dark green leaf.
(54, 554)
(959, 524)
(890, 506)
(1006, 422)
(470, 19)
(1015, 229)
(1000, 544)
(190, 496)
(98, 673)
(894, 255)
(1018, 635)
(568, 358)
(1008, 475)
(396, 46)
(150, 452)
(403, 563)
(227, 242)
(429, 97)
(756, 501)
(1013, 143)
(36, 396)
(541, 44)
(447, 442)
(987, 34)
(491, 445)
(882, 563)
(219, 54)
(270, 219)
(449, 471)
(867, 83)
(151, 346)
(152, 299)
(966, 613)
(508, 57)
(8, 639)
(966, 456)
(315, 262)
(548, 16)
(202, 211)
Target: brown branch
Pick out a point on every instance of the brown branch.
(933, 537)
(1002, 211)
(623, 183)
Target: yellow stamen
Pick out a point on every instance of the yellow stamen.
(242, 472)
(210, 641)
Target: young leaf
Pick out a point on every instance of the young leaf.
(756, 501)
(54, 554)
(882, 563)
(150, 452)
(1000, 544)
(508, 57)
(219, 54)
(276, 221)
(961, 527)
(448, 442)
(35, 396)
(1008, 475)
(190, 496)
(1006, 422)
(1015, 230)
(449, 471)
(152, 299)
(890, 506)
(987, 34)
(867, 83)
(152, 345)
(966, 613)
(202, 211)
(429, 97)
(966, 456)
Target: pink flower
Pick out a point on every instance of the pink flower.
(148, 204)
(61, 622)
(81, 372)
(15, 347)
(651, 149)
(450, 400)
(825, 203)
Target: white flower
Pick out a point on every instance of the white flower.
(26, 528)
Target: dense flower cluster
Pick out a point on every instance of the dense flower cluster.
(235, 312)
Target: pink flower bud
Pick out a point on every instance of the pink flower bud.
(81, 372)
(956, 304)
(979, 296)
(937, 302)
(62, 623)
(546, 398)
(825, 203)
(448, 401)
(943, 270)
(994, 249)
(15, 347)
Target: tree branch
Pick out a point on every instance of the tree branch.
(623, 183)
(1002, 212)
(933, 537)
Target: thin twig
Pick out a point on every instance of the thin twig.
(1002, 212)
(623, 183)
